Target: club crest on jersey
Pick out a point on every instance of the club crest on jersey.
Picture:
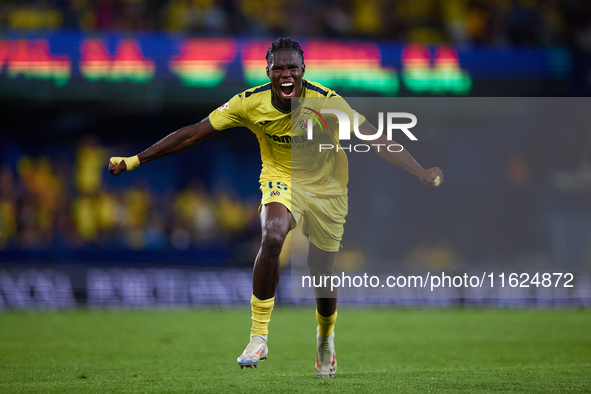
(304, 124)
(225, 106)
(275, 193)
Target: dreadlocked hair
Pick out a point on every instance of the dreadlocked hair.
(284, 44)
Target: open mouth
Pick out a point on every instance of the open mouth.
(287, 90)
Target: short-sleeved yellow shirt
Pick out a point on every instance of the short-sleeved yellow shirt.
(325, 172)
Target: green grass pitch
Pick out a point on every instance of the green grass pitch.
(379, 350)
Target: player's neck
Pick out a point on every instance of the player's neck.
(279, 104)
(286, 107)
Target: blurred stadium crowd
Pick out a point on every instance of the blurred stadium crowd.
(498, 22)
(52, 202)
(61, 201)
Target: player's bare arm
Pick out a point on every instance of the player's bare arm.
(184, 138)
(430, 177)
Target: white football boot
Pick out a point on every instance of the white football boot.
(326, 356)
(255, 351)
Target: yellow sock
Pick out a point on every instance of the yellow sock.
(326, 324)
(261, 315)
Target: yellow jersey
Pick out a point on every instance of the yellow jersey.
(287, 154)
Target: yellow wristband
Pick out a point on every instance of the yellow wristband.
(130, 162)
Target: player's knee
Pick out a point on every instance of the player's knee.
(272, 243)
(320, 267)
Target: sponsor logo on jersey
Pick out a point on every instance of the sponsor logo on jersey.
(225, 106)
(289, 142)
(286, 139)
(275, 193)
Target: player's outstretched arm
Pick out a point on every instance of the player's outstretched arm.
(182, 139)
(430, 177)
